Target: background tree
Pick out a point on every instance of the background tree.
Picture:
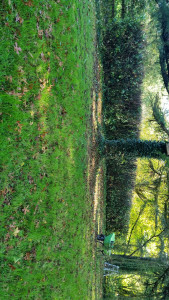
(123, 57)
(164, 49)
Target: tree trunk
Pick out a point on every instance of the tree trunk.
(138, 264)
(123, 9)
(164, 52)
(134, 148)
(113, 8)
(163, 69)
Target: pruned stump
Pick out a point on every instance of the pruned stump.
(167, 148)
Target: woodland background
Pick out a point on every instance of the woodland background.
(135, 63)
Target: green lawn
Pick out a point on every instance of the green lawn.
(46, 70)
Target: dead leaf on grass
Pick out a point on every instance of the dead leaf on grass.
(25, 210)
(12, 267)
(7, 237)
(49, 88)
(27, 256)
(37, 223)
(16, 48)
(24, 90)
(19, 128)
(43, 56)
(16, 231)
(48, 31)
(19, 19)
(14, 93)
(40, 33)
(57, 57)
(28, 3)
(30, 86)
(20, 69)
(9, 78)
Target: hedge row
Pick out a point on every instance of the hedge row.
(123, 72)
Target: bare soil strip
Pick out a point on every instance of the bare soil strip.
(95, 180)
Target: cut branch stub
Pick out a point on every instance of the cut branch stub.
(167, 148)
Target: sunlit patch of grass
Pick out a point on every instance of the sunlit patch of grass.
(47, 75)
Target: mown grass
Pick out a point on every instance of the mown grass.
(46, 78)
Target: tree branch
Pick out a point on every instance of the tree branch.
(159, 116)
(140, 212)
(146, 242)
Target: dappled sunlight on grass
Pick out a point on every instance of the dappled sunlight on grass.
(96, 181)
(99, 198)
(47, 222)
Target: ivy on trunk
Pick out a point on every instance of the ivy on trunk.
(134, 147)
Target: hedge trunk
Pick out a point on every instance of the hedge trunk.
(135, 148)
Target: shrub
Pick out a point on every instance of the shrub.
(123, 71)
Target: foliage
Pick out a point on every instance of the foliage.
(159, 116)
(164, 50)
(158, 285)
(122, 67)
(148, 229)
(148, 221)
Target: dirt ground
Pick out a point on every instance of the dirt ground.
(96, 178)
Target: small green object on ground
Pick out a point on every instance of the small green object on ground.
(109, 241)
